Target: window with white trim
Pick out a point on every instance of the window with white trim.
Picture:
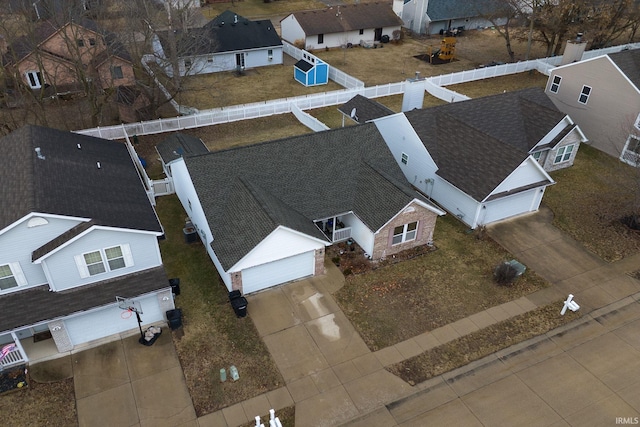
(320, 38)
(537, 155)
(11, 276)
(584, 95)
(405, 233)
(563, 154)
(104, 260)
(404, 158)
(555, 84)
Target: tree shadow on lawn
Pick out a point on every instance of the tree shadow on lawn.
(401, 300)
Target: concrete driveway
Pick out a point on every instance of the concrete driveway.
(123, 383)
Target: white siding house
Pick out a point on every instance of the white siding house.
(76, 230)
(341, 25)
(482, 159)
(228, 42)
(266, 212)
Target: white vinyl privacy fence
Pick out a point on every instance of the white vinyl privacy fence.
(436, 86)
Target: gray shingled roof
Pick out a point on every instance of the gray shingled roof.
(439, 10)
(337, 19)
(224, 34)
(477, 143)
(178, 145)
(68, 182)
(366, 109)
(247, 192)
(38, 304)
(629, 62)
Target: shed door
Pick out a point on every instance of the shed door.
(377, 34)
(274, 273)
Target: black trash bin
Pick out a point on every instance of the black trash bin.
(174, 318)
(175, 286)
(238, 303)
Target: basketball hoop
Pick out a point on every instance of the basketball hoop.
(126, 314)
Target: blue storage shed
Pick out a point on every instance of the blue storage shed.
(311, 71)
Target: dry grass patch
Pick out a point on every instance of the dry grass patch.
(400, 301)
(214, 337)
(255, 85)
(40, 404)
(479, 344)
(496, 85)
(260, 9)
(589, 200)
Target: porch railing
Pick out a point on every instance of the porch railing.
(341, 234)
(13, 358)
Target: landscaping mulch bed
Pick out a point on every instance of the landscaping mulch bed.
(350, 258)
(13, 378)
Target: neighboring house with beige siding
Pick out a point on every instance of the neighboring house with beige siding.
(602, 96)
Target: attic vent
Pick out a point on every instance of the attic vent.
(39, 153)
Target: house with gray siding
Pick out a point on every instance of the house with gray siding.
(602, 95)
(266, 212)
(77, 229)
(484, 159)
(229, 42)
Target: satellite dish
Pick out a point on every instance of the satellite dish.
(353, 114)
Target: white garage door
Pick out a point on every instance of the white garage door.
(509, 206)
(273, 273)
(108, 321)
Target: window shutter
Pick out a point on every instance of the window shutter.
(126, 254)
(21, 280)
(82, 267)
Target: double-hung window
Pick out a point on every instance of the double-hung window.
(320, 38)
(104, 260)
(563, 154)
(555, 84)
(11, 276)
(584, 95)
(405, 233)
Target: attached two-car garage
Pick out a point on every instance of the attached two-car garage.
(276, 272)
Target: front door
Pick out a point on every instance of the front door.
(240, 61)
(377, 34)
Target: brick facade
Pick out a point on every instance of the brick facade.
(319, 262)
(236, 282)
(547, 163)
(382, 246)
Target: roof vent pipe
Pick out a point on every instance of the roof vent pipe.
(98, 164)
(79, 147)
(579, 37)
